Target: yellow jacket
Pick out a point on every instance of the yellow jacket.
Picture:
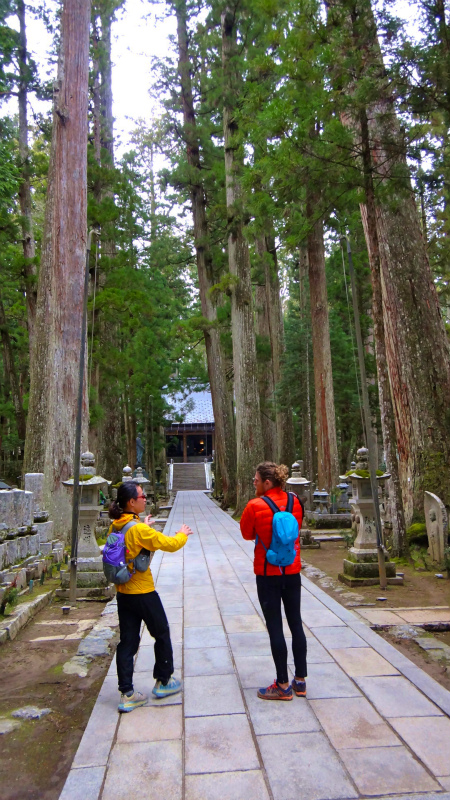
(139, 536)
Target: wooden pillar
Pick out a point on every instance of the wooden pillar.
(184, 448)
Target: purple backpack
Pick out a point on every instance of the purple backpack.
(115, 551)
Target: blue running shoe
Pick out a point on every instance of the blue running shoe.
(172, 687)
(130, 701)
(275, 692)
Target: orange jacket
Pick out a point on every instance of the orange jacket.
(257, 521)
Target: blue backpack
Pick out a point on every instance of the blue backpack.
(115, 551)
(285, 531)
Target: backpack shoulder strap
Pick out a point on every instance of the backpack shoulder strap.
(127, 526)
(273, 506)
(290, 502)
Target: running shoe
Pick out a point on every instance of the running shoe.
(275, 692)
(171, 687)
(299, 687)
(131, 700)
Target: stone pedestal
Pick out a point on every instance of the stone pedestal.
(361, 564)
(90, 573)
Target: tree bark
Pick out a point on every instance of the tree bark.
(220, 394)
(105, 438)
(327, 453)
(11, 377)
(308, 460)
(28, 245)
(417, 348)
(368, 213)
(56, 348)
(248, 418)
(284, 442)
(266, 384)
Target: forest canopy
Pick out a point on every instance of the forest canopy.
(283, 131)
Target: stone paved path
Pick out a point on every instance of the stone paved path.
(373, 725)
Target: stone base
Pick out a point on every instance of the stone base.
(46, 548)
(354, 582)
(85, 580)
(367, 569)
(329, 520)
(106, 593)
(45, 531)
(94, 564)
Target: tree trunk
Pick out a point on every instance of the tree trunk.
(284, 449)
(308, 460)
(265, 361)
(221, 397)
(248, 417)
(54, 366)
(327, 453)
(368, 213)
(24, 190)
(11, 377)
(417, 348)
(105, 438)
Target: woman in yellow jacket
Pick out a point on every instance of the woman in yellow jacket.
(137, 600)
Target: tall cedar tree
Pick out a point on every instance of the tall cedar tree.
(417, 348)
(249, 441)
(56, 348)
(221, 399)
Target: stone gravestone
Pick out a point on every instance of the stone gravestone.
(34, 482)
(437, 526)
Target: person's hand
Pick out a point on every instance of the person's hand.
(185, 529)
(148, 519)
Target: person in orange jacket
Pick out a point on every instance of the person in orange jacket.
(138, 600)
(276, 584)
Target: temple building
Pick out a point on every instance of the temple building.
(189, 433)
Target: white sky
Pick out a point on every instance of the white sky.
(137, 36)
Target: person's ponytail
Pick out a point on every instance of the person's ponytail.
(127, 491)
(115, 511)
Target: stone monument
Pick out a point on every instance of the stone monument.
(297, 483)
(437, 526)
(34, 482)
(361, 564)
(91, 580)
(127, 474)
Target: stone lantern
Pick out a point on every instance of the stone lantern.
(298, 484)
(127, 474)
(321, 501)
(361, 564)
(90, 577)
(343, 500)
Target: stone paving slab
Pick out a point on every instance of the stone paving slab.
(373, 723)
(393, 696)
(226, 786)
(315, 772)
(382, 770)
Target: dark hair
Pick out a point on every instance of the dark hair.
(126, 491)
(275, 473)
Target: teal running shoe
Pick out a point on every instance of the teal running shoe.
(172, 687)
(128, 702)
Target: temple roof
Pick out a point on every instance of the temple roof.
(190, 408)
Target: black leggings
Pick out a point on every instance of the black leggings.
(272, 589)
(132, 610)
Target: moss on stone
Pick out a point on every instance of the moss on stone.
(363, 473)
